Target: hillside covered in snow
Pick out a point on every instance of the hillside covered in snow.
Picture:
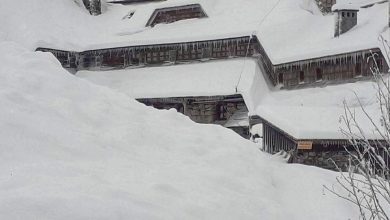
(72, 149)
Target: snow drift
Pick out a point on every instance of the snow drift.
(74, 150)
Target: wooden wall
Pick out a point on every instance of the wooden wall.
(329, 69)
(274, 140)
(205, 110)
(172, 14)
(167, 53)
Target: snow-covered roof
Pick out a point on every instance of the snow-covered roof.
(289, 30)
(350, 7)
(315, 113)
(197, 79)
(291, 33)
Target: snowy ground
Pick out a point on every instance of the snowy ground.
(74, 150)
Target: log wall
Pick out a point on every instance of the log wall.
(328, 154)
(317, 71)
(335, 68)
(167, 53)
(172, 14)
(205, 110)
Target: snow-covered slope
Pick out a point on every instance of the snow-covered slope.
(74, 150)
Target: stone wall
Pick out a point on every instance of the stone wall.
(202, 112)
(323, 159)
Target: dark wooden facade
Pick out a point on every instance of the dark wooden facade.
(204, 109)
(172, 14)
(142, 55)
(335, 68)
(275, 140)
(68, 59)
(325, 153)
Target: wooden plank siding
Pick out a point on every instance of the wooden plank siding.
(204, 109)
(275, 140)
(325, 153)
(177, 13)
(335, 68)
(302, 73)
(123, 57)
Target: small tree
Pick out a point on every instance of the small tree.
(367, 180)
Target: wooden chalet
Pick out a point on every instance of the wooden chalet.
(337, 68)
(334, 68)
(206, 92)
(323, 153)
(206, 109)
(144, 55)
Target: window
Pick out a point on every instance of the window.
(301, 76)
(206, 53)
(358, 69)
(280, 78)
(379, 63)
(353, 14)
(318, 74)
(348, 14)
(172, 55)
(221, 112)
(343, 14)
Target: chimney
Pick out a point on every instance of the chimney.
(346, 17)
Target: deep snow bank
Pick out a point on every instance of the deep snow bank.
(73, 150)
